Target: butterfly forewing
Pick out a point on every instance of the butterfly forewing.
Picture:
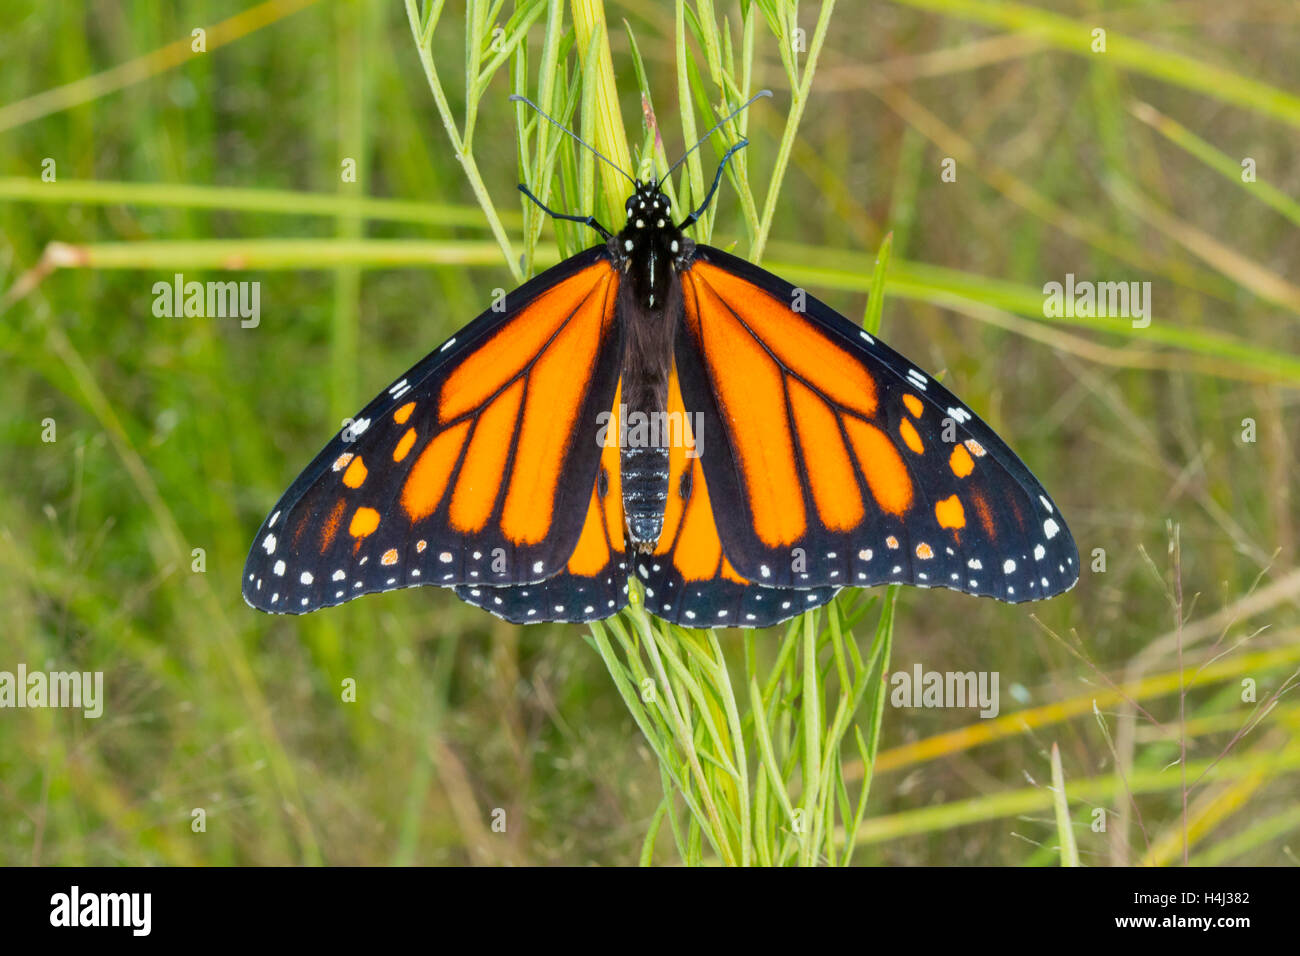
(476, 466)
(833, 461)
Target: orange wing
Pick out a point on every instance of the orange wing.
(593, 583)
(832, 460)
(476, 467)
(688, 578)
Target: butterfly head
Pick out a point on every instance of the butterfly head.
(649, 211)
(650, 245)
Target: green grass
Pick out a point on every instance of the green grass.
(176, 434)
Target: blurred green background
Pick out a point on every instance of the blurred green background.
(179, 433)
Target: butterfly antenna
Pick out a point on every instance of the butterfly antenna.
(694, 217)
(564, 129)
(722, 122)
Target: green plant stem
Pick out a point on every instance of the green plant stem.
(798, 100)
(608, 135)
(284, 201)
(1064, 827)
(422, 31)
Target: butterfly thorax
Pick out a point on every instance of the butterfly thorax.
(648, 250)
(648, 246)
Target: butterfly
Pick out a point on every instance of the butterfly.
(659, 408)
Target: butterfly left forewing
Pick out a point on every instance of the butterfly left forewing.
(833, 461)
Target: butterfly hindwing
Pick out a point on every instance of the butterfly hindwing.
(687, 578)
(475, 466)
(593, 582)
(832, 460)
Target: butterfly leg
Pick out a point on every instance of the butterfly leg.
(694, 217)
(585, 220)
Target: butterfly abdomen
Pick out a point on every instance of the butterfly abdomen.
(645, 494)
(643, 440)
(649, 316)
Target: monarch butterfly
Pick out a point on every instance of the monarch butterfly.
(797, 455)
